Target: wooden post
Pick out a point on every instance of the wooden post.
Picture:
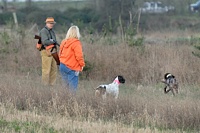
(131, 18)
(15, 19)
(138, 23)
(28, 3)
(121, 27)
(5, 5)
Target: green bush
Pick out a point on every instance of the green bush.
(197, 53)
(81, 17)
(5, 17)
(84, 18)
(36, 17)
(131, 39)
(28, 10)
(5, 41)
(87, 70)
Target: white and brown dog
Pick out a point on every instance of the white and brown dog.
(111, 89)
(171, 83)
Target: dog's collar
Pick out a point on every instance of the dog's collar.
(116, 81)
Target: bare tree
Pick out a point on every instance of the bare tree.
(28, 3)
(98, 4)
(114, 8)
(5, 5)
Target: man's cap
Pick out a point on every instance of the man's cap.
(50, 20)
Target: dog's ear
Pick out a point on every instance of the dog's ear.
(97, 87)
(121, 79)
(166, 75)
(100, 87)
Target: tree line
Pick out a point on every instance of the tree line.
(111, 15)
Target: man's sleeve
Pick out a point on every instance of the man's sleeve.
(44, 37)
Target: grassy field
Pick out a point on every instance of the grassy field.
(28, 106)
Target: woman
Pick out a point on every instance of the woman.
(71, 58)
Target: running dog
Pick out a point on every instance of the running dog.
(171, 83)
(111, 89)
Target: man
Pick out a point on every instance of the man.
(48, 39)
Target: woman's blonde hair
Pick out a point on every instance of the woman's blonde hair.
(73, 32)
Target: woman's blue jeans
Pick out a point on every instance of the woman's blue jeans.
(69, 77)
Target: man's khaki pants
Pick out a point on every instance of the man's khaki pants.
(49, 69)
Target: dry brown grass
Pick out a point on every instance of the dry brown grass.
(145, 64)
(139, 108)
(142, 105)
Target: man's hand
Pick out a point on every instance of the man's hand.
(52, 40)
(55, 42)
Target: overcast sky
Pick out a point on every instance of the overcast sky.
(38, 0)
(25, 0)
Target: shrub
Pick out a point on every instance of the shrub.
(5, 17)
(87, 70)
(5, 40)
(197, 53)
(131, 39)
